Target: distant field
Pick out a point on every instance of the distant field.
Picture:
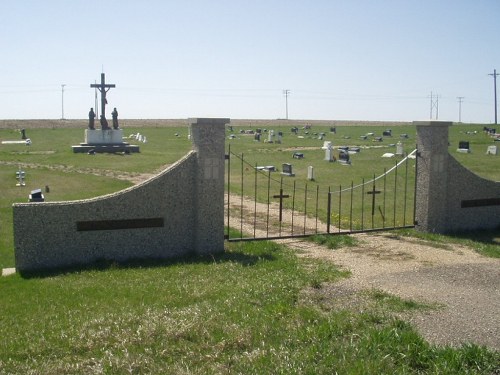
(139, 123)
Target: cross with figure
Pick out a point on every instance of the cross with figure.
(103, 89)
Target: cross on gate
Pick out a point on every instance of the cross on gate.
(102, 88)
(373, 192)
(281, 196)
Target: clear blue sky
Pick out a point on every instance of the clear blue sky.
(340, 59)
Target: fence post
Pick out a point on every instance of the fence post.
(432, 176)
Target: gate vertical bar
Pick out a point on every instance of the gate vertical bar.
(328, 211)
(317, 198)
(281, 206)
(373, 203)
(395, 192)
(255, 202)
(350, 213)
(305, 210)
(293, 203)
(241, 200)
(340, 205)
(228, 189)
(268, 200)
(405, 193)
(363, 205)
(385, 194)
(415, 188)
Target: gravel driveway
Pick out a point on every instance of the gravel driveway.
(464, 284)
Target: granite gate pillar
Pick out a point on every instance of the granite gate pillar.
(432, 176)
(208, 135)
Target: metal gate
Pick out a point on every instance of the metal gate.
(263, 204)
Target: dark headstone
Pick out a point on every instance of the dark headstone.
(298, 155)
(344, 157)
(23, 133)
(287, 170)
(464, 145)
(387, 133)
(36, 196)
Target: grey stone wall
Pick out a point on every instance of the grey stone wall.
(449, 197)
(176, 213)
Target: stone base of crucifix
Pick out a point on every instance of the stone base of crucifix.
(104, 140)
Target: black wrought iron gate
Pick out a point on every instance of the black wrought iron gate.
(261, 203)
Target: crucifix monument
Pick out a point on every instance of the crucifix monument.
(106, 139)
(103, 89)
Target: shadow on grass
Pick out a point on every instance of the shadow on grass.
(246, 260)
(487, 237)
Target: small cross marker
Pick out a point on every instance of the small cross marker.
(281, 196)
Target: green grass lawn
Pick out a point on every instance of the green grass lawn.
(251, 310)
(247, 311)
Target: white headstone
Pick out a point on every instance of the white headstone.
(310, 173)
(327, 145)
(270, 136)
(329, 154)
(492, 150)
(399, 149)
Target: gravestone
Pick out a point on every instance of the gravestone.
(463, 146)
(20, 174)
(36, 196)
(270, 137)
(333, 130)
(298, 155)
(23, 133)
(287, 170)
(344, 157)
(267, 168)
(327, 146)
(280, 137)
(256, 137)
(399, 149)
(387, 133)
(310, 173)
(363, 137)
(492, 150)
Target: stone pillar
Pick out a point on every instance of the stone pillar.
(432, 176)
(208, 136)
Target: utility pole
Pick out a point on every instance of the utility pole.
(62, 101)
(460, 100)
(286, 93)
(434, 104)
(495, 88)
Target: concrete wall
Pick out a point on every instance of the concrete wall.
(176, 213)
(449, 197)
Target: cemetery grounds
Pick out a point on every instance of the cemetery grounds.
(283, 312)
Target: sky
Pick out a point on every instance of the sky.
(377, 60)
